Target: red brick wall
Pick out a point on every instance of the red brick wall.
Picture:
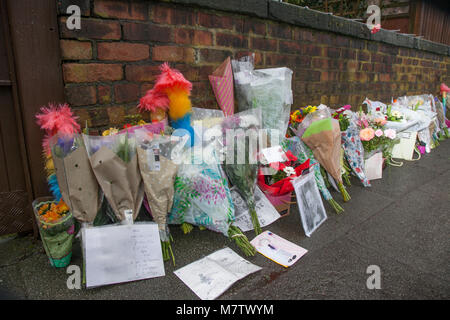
(114, 58)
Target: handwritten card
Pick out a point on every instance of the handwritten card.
(265, 211)
(122, 253)
(278, 249)
(212, 275)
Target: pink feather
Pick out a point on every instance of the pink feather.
(58, 118)
(153, 100)
(170, 78)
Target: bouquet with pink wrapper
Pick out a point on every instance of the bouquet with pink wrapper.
(222, 83)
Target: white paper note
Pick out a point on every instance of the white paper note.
(212, 275)
(278, 249)
(122, 253)
(265, 211)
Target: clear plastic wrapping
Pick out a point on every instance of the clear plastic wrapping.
(268, 89)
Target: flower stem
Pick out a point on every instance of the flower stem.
(343, 191)
(336, 206)
(254, 216)
(167, 251)
(241, 241)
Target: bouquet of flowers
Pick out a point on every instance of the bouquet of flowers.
(303, 153)
(296, 118)
(323, 135)
(267, 89)
(115, 165)
(278, 183)
(351, 144)
(241, 165)
(77, 182)
(374, 138)
(158, 170)
(202, 197)
(57, 229)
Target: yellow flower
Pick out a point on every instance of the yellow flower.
(141, 122)
(110, 132)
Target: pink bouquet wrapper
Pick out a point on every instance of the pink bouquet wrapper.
(155, 127)
(222, 83)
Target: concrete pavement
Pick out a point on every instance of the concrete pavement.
(400, 224)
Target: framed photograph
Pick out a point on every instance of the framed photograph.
(310, 205)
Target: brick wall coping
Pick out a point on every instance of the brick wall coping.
(305, 17)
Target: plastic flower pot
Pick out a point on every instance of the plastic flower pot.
(57, 236)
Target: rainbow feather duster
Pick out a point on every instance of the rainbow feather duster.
(55, 119)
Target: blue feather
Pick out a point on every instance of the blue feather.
(54, 187)
(184, 123)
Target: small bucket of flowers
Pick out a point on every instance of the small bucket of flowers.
(57, 229)
(275, 179)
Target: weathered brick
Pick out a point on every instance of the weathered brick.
(173, 15)
(254, 26)
(126, 92)
(75, 50)
(320, 63)
(141, 73)
(91, 72)
(215, 21)
(231, 40)
(263, 44)
(289, 47)
(104, 94)
(116, 115)
(304, 35)
(311, 50)
(122, 51)
(363, 56)
(80, 95)
(277, 30)
(91, 29)
(132, 10)
(192, 36)
(173, 54)
(333, 52)
(146, 32)
(213, 55)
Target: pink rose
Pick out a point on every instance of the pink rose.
(390, 133)
(380, 121)
(378, 132)
(367, 134)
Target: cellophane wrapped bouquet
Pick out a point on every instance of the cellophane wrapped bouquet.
(351, 143)
(267, 89)
(241, 133)
(202, 196)
(323, 135)
(114, 162)
(304, 153)
(158, 167)
(374, 137)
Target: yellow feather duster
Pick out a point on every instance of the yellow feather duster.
(180, 104)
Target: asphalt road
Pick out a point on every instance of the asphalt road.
(400, 224)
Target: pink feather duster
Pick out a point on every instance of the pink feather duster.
(171, 78)
(154, 100)
(58, 118)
